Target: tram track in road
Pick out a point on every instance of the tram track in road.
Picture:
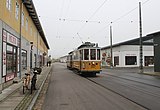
(117, 93)
(133, 80)
(142, 94)
(77, 92)
(140, 88)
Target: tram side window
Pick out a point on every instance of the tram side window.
(81, 54)
(98, 54)
(93, 54)
(86, 54)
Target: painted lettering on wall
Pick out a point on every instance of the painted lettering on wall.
(4, 35)
(11, 39)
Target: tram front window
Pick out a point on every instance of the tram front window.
(93, 54)
(86, 54)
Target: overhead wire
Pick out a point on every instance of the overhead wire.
(92, 15)
(68, 7)
(114, 21)
(60, 15)
(76, 20)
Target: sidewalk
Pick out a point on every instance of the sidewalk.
(151, 73)
(8, 102)
(146, 70)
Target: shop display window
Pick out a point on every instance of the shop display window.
(131, 60)
(11, 59)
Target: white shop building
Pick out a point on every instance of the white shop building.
(127, 54)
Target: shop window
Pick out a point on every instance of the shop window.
(93, 54)
(116, 60)
(11, 59)
(86, 54)
(149, 60)
(130, 60)
(81, 54)
(24, 60)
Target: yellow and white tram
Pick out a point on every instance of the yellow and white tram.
(85, 59)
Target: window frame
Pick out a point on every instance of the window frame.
(8, 4)
(26, 24)
(17, 10)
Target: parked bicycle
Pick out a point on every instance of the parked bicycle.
(33, 82)
(27, 79)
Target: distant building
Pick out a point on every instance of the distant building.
(126, 54)
(23, 43)
(63, 59)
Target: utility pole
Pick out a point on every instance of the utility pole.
(20, 40)
(141, 40)
(111, 63)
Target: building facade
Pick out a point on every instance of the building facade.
(156, 39)
(23, 43)
(127, 54)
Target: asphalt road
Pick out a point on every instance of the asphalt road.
(69, 91)
(140, 88)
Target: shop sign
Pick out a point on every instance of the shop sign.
(104, 54)
(9, 38)
(12, 39)
(4, 35)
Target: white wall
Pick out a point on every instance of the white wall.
(129, 50)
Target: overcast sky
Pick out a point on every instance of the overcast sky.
(68, 23)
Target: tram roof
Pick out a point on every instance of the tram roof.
(88, 44)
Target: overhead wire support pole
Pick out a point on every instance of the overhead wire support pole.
(20, 40)
(141, 40)
(111, 63)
